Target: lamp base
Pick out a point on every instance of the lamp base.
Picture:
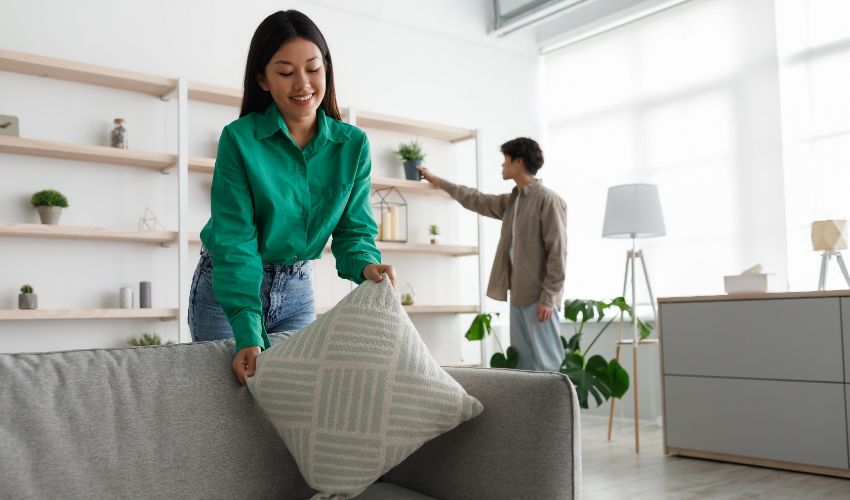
(824, 262)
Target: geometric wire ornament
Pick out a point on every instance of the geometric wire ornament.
(149, 222)
(390, 211)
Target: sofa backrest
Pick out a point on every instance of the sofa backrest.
(137, 422)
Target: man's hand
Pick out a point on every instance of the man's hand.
(428, 176)
(544, 312)
(374, 272)
(245, 362)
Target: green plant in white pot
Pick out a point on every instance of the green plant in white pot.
(27, 299)
(49, 204)
(412, 154)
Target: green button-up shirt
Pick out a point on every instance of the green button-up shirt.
(273, 202)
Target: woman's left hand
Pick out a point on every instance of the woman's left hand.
(374, 272)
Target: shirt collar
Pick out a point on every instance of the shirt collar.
(270, 121)
(529, 187)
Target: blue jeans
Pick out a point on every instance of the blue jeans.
(538, 344)
(286, 294)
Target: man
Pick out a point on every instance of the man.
(531, 254)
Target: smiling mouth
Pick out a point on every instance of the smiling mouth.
(301, 99)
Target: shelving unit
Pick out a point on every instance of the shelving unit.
(114, 313)
(177, 88)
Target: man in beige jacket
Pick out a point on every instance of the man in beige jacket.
(531, 254)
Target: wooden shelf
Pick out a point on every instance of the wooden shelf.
(30, 64)
(85, 233)
(368, 119)
(201, 165)
(43, 314)
(454, 250)
(207, 166)
(215, 94)
(404, 185)
(84, 152)
(416, 309)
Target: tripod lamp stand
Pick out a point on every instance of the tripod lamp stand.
(633, 211)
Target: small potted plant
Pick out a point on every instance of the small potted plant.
(49, 204)
(408, 295)
(434, 231)
(27, 299)
(412, 155)
(147, 339)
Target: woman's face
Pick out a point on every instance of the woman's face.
(295, 77)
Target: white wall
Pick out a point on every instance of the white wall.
(423, 60)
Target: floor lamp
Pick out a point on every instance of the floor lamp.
(829, 237)
(633, 211)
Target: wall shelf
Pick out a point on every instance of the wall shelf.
(87, 153)
(60, 69)
(215, 94)
(414, 127)
(86, 233)
(114, 313)
(207, 166)
(416, 309)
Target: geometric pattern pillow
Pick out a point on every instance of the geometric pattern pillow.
(356, 392)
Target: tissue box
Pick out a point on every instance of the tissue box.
(746, 283)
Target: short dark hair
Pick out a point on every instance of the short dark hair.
(528, 150)
(274, 31)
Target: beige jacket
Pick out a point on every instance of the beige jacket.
(541, 248)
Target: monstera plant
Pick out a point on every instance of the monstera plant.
(594, 375)
(479, 329)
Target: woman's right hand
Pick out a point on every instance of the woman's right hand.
(428, 176)
(245, 362)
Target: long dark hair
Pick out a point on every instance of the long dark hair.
(273, 32)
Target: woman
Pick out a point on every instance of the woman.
(288, 175)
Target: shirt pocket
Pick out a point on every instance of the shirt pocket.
(332, 199)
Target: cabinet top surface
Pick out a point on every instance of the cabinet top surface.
(756, 296)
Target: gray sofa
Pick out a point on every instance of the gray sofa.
(172, 422)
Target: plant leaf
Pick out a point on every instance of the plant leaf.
(619, 379)
(498, 360)
(513, 357)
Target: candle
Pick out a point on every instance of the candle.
(385, 224)
(393, 223)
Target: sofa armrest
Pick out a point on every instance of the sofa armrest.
(525, 444)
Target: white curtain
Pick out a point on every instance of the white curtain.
(814, 54)
(687, 99)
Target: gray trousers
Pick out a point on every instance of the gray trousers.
(538, 344)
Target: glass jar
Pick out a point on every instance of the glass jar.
(119, 134)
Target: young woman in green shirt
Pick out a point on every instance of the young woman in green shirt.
(288, 176)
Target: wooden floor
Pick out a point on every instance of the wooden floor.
(612, 471)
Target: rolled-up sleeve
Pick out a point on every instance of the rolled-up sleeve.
(237, 265)
(353, 243)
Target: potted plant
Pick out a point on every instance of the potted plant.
(434, 231)
(49, 204)
(593, 375)
(27, 299)
(479, 329)
(147, 339)
(412, 155)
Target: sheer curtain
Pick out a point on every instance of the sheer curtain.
(814, 54)
(687, 99)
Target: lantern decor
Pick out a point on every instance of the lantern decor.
(390, 210)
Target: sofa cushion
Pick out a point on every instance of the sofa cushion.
(390, 491)
(356, 392)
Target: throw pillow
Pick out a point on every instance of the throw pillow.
(356, 392)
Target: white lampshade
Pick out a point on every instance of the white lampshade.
(633, 211)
